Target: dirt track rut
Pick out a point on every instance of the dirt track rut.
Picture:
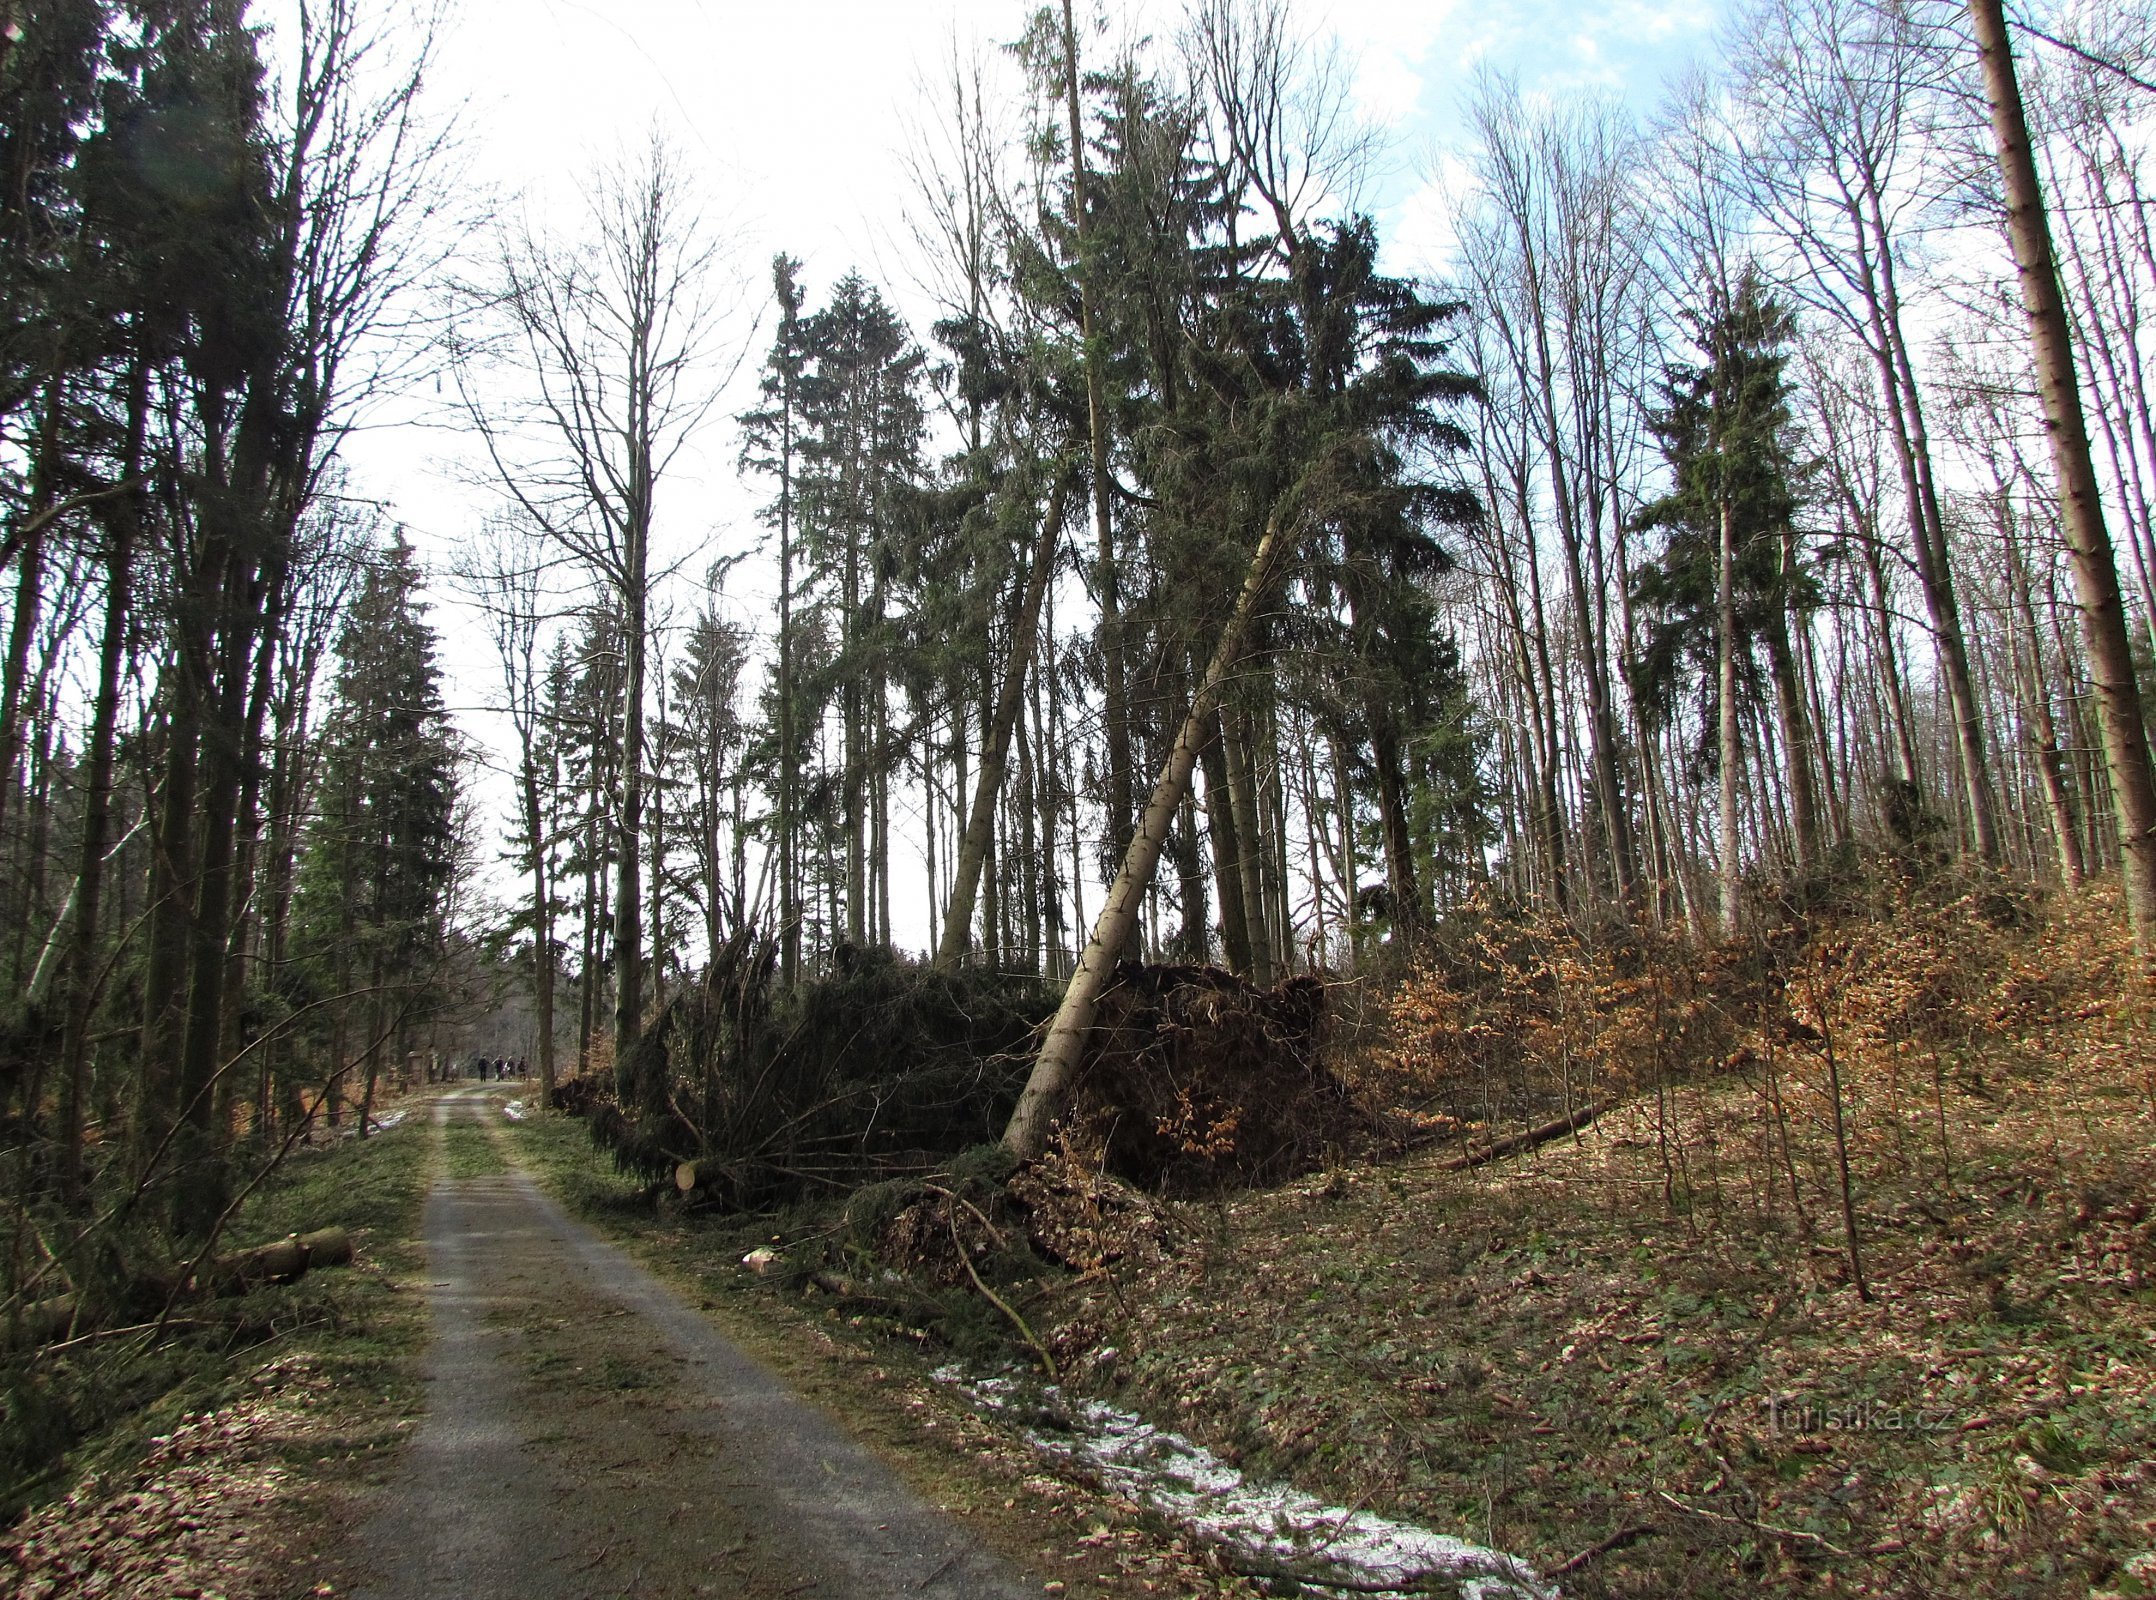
(589, 1434)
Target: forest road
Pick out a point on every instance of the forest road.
(589, 1434)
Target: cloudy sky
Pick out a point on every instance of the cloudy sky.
(795, 117)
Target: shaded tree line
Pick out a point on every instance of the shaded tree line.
(228, 780)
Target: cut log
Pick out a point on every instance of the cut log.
(685, 1176)
(282, 1261)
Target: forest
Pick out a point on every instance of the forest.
(1738, 547)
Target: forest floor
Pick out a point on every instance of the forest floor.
(1645, 1359)
(1641, 1358)
(236, 1455)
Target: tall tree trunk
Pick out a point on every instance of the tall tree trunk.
(1227, 851)
(2096, 578)
(995, 750)
(1249, 844)
(587, 1000)
(1196, 937)
(1122, 783)
(171, 891)
(2036, 698)
(96, 819)
(628, 874)
(1794, 723)
(535, 833)
(29, 595)
(1728, 748)
(1912, 449)
(199, 1153)
(789, 806)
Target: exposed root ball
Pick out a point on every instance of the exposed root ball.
(1196, 1079)
(1086, 1219)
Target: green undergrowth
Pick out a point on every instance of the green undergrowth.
(89, 1408)
(469, 1151)
(1654, 1335)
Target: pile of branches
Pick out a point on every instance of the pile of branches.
(1196, 1080)
(750, 1095)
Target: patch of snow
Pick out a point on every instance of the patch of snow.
(1267, 1522)
(514, 1111)
(376, 1124)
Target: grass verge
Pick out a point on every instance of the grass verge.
(220, 1445)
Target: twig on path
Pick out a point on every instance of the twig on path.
(1602, 1547)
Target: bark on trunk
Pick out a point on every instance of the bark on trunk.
(628, 866)
(1729, 752)
(2096, 577)
(1122, 785)
(995, 751)
(1227, 849)
(1249, 843)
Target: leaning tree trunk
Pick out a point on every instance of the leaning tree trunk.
(1057, 1064)
(1025, 632)
(2096, 576)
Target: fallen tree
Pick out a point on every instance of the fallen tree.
(1055, 1068)
(745, 1093)
(283, 1260)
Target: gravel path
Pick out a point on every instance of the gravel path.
(588, 1434)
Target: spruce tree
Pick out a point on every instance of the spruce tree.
(1726, 430)
(381, 856)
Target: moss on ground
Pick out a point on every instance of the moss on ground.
(89, 1411)
(1658, 1326)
